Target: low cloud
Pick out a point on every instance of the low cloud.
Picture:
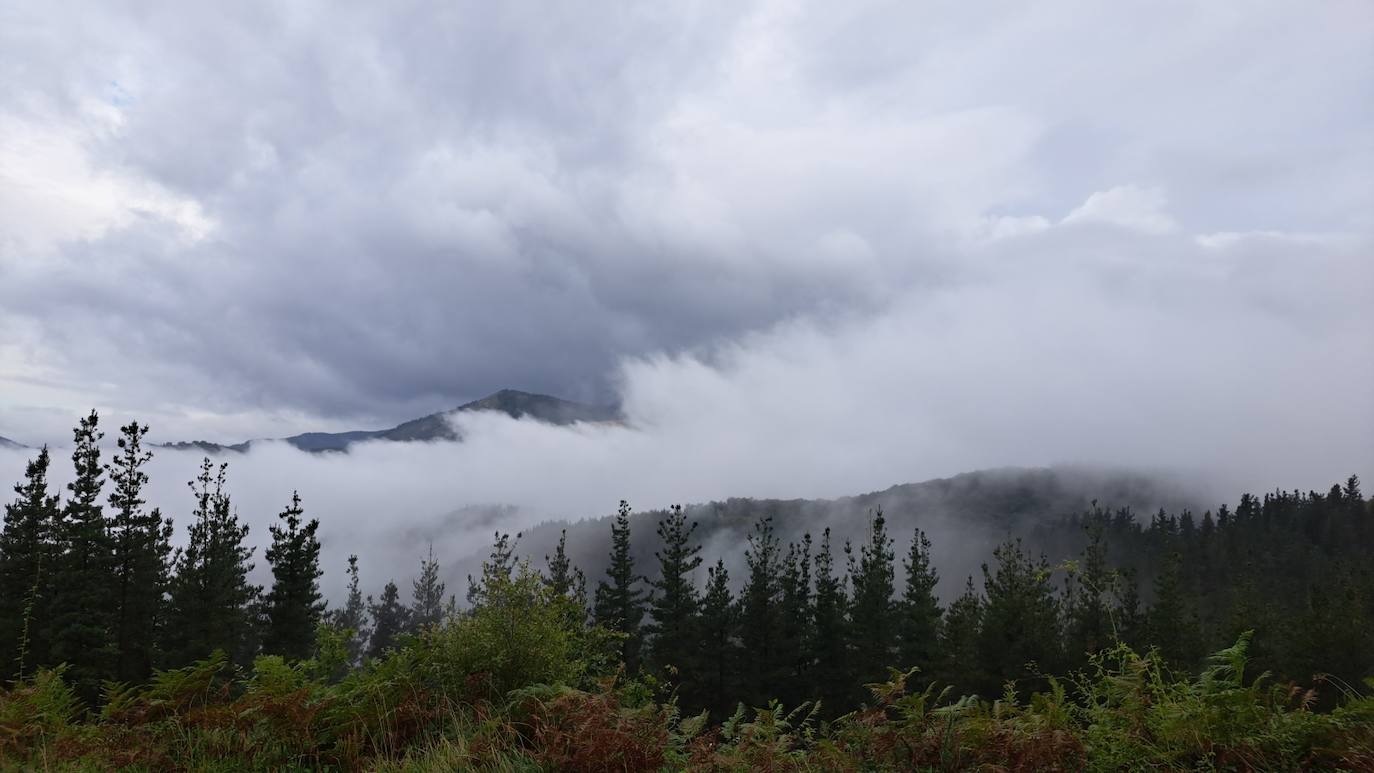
(1221, 366)
(814, 248)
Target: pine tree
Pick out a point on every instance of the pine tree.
(142, 552)
(1090, 623)
(959, 640)
(673, 607)
(1354, 501)
(829, 656)
(1356, 513)
(794, 645)
(564, 579)
(872, 611)
(27, 557)
(918, 625)
(1333, 632)
(499, 566)
(352, 616)
(293, 606)
(717, 670)
(427, 603)
(1172, 621)
(567, 583)
(390, 618)
(1130, 619)
(761, 617)
(1020, 620)
(84, 600)
(620, 603)
(212, 605)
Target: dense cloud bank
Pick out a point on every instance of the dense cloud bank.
(244, 221)
(814, 249)
(1040, 375)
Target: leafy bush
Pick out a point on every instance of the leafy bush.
(519, 635)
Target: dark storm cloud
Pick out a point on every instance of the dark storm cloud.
(410, 204)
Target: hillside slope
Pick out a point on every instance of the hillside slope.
(966, 516)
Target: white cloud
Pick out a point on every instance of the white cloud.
(1012, 226)
(829, 239)
(1225, 240)
(54, 190)
(1126, 206)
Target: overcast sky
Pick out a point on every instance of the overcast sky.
(1022, 232)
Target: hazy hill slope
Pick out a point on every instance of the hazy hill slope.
(966, 516)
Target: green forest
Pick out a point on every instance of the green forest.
(1238, 639)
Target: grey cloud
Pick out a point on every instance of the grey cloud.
(412, 205)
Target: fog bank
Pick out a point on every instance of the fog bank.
(1235, 366)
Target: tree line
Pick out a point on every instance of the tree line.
(811, 621)
(91, 580)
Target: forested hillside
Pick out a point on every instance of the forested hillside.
(1083, 642)
(967, 515)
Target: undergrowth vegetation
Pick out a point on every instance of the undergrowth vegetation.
(519, 685)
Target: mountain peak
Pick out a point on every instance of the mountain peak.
(554, 410)
(436, 426)
(512, 402)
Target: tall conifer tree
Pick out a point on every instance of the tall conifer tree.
(761, 620)
(674, 606)
(1091, 622)
(1172, 621)
(212, 605)
(872, 610)
(918, 625)
(427, 603)
(1130, 617)
(293, 606)
(717, 672)
(500, 565)
(959, 637)
(1020, 620)
(794, 645)
(564, 579)
(390, 618)
(352, 616)
(829, 653)
(27, 558)
(84, 600)
(142, 552)
(620, 602)
(567, 583)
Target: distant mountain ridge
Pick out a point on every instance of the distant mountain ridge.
(7, 443)
(436, 426)
(966, 516)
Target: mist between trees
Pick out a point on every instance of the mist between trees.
(90, 585)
